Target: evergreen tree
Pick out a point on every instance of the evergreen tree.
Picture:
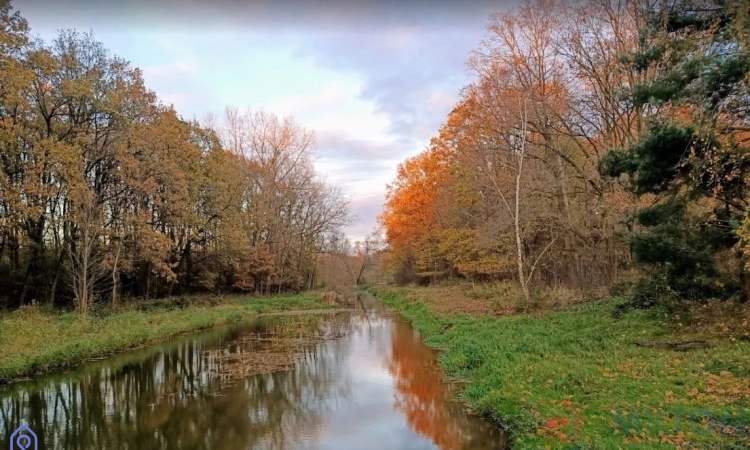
(691, 157)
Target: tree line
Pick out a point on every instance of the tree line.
(601, 143)
(107, 193)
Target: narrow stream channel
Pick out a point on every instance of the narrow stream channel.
(371, 384)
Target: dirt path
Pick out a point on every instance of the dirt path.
(307, 311)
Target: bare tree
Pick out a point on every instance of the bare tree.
(86, 261)
(364, 251)
(285, 207)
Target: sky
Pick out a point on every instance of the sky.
(373, 79)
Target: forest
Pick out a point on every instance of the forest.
(107, 193)
(601, 146)
(575, 240)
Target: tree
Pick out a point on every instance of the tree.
(410, 210)
(86, 263)
(500, 157)
(690, 157)
(285, 208)
(103, 185)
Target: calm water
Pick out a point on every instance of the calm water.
(377, 387)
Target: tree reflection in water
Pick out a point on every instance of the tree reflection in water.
(174, 398)
(195, 393)
(428, 403)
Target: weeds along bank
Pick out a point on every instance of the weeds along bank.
(36, 340)
(575, 378)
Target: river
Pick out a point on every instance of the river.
(368, 382)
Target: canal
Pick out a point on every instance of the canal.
(349, 380)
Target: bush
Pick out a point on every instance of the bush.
(622, 289)
(648, 292)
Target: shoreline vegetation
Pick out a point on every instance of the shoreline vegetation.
(37, 340)
(573, 377)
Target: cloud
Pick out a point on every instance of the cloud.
(362, 167)
(342, 146)
(177, 82)
(183, 100)
(366, 208)
(324, 99)
(164, 72)
(299, 15)
(413, 77)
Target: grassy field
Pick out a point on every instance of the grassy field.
(35, 340)
(574, 379)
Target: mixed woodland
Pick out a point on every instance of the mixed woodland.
(602, 146)
(108, 194)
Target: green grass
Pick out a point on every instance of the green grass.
(575, 380)
(36, 340)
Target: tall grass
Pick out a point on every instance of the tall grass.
(34, 340)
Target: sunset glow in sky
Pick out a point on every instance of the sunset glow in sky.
(373, 80)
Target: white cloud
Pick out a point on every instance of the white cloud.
(182, 101)
(366, 208)
(334, 107)
(164, 72)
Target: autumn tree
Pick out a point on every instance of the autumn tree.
(286, 209)
(410, 212)
(106, 193)
(566, 62)
(86, 262)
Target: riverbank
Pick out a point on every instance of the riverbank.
(37, 340)
(574, 378)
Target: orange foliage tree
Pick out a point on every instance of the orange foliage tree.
(411, 207)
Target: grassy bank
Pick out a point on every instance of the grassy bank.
(574, 379)
(35, 340)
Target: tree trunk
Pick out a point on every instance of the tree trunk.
(37, 236)
(311, 278)
(116, 280)
(576, 270)
(519, 247)
(361, 271)
(188, 273)
(517, 217)
(53, 288)
(29, 268)
(183, 257)
(148, 281)
(13, 245)
(743, 278)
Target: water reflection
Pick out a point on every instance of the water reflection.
(429, 405)
(186, 394)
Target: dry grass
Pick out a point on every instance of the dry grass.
(271, 350)
(499, 299)
(451, 300)
(272, 355)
